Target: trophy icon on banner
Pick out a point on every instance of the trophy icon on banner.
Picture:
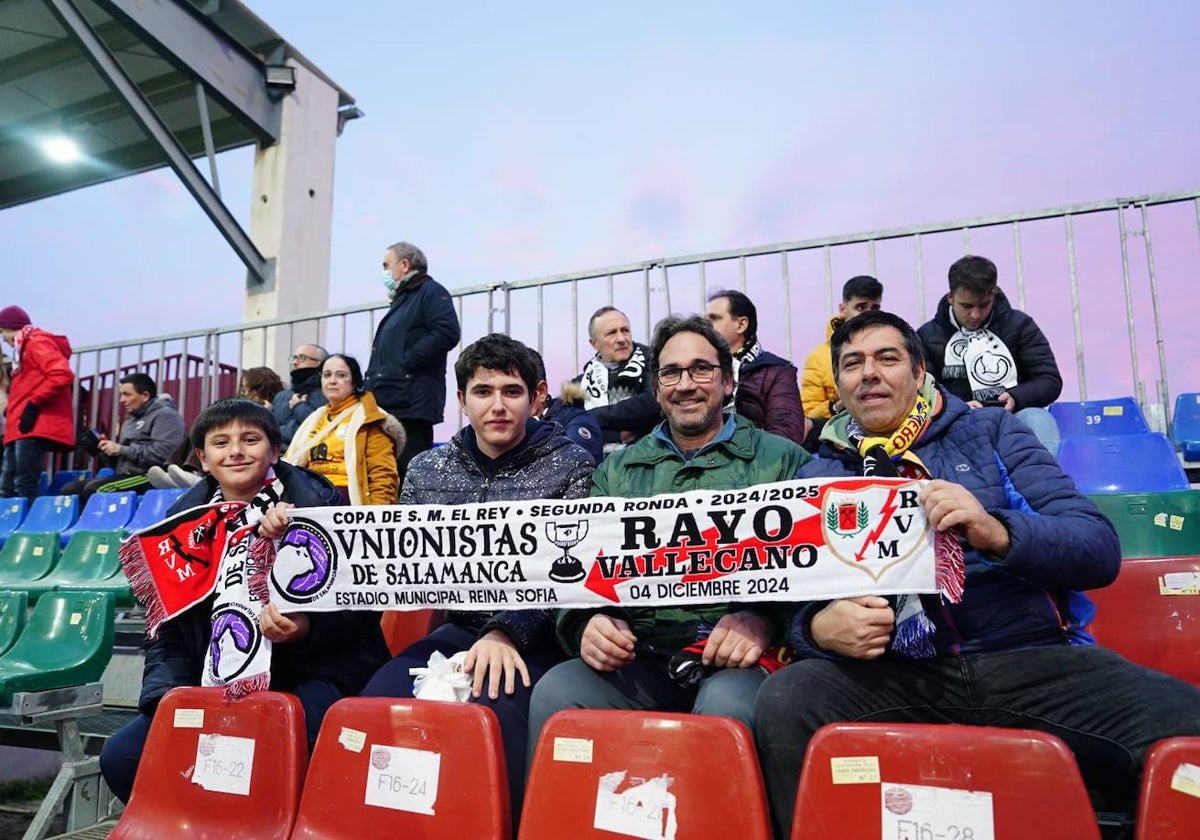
(566, 569)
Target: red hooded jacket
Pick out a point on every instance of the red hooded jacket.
(43, 377)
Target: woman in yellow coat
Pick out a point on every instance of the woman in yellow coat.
(350, 440)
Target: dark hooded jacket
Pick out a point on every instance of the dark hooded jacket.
(546, 465)
(1038, 381)
(769, 397)
(1061, 542)
(345, 647)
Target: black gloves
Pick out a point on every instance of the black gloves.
(29, 416)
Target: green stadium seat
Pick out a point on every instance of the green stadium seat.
(1154, 524)
(27, 557)
(51, 513)
(90, 559)
(12, 617)
(12, 511)
(68, 640)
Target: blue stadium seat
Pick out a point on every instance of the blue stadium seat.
(1144, 463)
(50, 513)
(105, 472)
(1121, 416)
(12, 511)
(64, 477)
(104, 512)
(153, 507)
(1185, 426)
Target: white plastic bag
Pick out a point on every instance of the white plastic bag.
(442, 679)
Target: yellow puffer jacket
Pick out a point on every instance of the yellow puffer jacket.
(818, 391)
(373, 440)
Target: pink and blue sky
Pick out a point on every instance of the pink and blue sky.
(534, 138)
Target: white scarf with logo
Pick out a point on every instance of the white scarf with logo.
(980, 357)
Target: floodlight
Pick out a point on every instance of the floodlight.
(61, 150)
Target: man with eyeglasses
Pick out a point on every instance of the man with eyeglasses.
(292, 405)
(625, 656)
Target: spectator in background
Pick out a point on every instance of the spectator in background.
(39, 417)
(567, 410)
(616, 381)
(351, 440)
(292, 405)
(819, 392)
(150, 433)
(988, 354)
(765, 389)
(407, 370)
(260, 384)
(502, 454)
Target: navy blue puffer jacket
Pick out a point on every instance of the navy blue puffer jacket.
(1061, 542)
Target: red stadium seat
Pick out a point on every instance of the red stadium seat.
(403, 627)
(195, 780)
(1169, 807)
(388, 767)
(856, 776)
(600, 774)
(1150, 618)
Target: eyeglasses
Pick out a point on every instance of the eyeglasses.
(700, 373)
(303, 357)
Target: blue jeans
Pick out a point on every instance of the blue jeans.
(512, 710)
(642, 684)
(22, 466)
(122, 752)
(1042, 423)
(1107, 710)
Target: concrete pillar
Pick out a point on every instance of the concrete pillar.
(290, 220)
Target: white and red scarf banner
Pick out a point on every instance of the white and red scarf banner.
(801, 540)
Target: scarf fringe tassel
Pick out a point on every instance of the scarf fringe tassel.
(137, 572)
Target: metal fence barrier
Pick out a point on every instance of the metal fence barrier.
(1090, 274)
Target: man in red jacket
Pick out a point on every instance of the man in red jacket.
(39, 417)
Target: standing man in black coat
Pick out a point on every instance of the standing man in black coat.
(407, 372)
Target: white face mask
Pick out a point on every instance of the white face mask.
(389, 282)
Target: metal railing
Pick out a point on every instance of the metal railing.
(1085, 259)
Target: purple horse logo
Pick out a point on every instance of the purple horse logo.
(305, 546)
(240, 629)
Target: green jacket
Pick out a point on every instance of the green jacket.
(652, 466)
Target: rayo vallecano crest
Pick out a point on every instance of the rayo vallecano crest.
(873, 528)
